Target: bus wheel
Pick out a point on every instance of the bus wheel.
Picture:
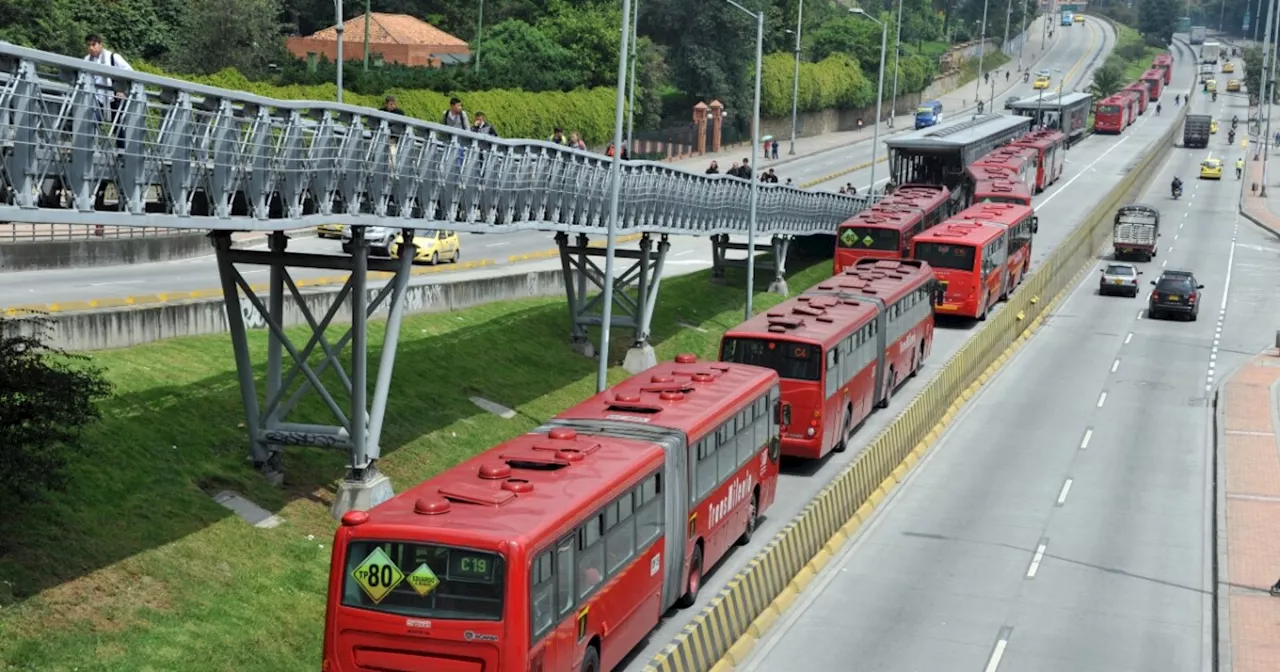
(591, 661)
(753, 518)
(889, 387)
(695, 580)
(843, 443)
(983, 316)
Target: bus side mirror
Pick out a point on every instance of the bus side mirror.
(1035, 225)
(781, 413)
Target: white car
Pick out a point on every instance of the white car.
(1119, 279)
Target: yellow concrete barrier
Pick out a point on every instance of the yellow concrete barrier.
(723, 633)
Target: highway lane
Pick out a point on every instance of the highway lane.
(1094, 166)
(1069, 52)
(1080, 540)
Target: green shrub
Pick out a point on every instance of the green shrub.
(834, 82)
(516, 114)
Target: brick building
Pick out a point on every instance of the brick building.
(397, 38)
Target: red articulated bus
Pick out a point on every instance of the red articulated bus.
(1017, 162)
(1164, 62)
(1130, 99)
(970, 260)
(1000, 189)
(841, 348)
(1020, 223)
(1051, 148)
(884, 231)
(1112, 114)
(1155, 83)
(560, 549)
(1143, 94)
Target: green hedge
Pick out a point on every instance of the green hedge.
(516, 114)
(836, 82)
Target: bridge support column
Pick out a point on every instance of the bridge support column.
(635, 294)
(359, 420)
(779, 248)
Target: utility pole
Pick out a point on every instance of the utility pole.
(982, 51)
(897, 54)
(1268, 91)
(367, 10)
(479, 34)
(1023, 43)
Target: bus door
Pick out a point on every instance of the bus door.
(995, 267)
(881, 335)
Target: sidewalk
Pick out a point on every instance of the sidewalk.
(954, 103)
(1261, 210)
(1249, 516)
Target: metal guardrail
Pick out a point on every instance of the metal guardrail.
(39, 233)
(184, 155)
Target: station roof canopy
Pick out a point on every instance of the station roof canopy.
(959, 133)
(1050, 102)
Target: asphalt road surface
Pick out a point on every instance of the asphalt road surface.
(1093, 167)
(1064, 521)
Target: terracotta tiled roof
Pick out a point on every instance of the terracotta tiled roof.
(394, 29)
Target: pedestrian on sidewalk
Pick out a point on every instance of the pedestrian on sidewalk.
(714, 169)
(859, 123)
(775, 149)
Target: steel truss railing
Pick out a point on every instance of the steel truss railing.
(186, 155)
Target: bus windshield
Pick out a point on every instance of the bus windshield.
(795, 361)
(941, 255)
(868, 238)
(424, 580)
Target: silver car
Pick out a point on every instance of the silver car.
(1119, 279)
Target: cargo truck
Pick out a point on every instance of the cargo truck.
(1137, 227)
(1195, 132)
(1209, 51)
(1197, 35)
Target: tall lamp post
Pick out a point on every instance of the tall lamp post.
(631, 95)
(755, 156)
(795, 84)
(982, 41)
(615, 187)
(897, 55)
(875, 136)
(479, 33)
(337, 10)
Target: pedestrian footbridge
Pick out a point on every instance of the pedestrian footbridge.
(84, 143)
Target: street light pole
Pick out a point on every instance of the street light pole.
(755, 157)
(1023, 42)
(982, 42)
(631, 101)
(897, 54)
(337, 10)
(795, 84)
(615, 188)
(875, 136)
(367, 11)
(480, 34)
(1008, 14)
(1268, 91)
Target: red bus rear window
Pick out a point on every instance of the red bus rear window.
(424, 580)
(1108, 109)
(939, 255)
(869, 238)
(796, 361)
(1000, 199)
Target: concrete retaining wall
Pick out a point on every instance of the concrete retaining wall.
(91, 252)
(124, 327)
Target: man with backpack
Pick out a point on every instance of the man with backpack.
(455, 116)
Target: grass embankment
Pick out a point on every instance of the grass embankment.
(991, 61)
(136, 568)
(1131, 55)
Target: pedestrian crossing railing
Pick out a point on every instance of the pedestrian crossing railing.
(85, 143)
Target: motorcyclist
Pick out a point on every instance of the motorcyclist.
(1231, 137)
(1176, 187)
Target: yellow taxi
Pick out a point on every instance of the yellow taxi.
(329, 231)
(433, 246)
(1211, 169)
(1213, 125)
(1233, 85)
(1042, 82)
(1211, 85)
(1228, 66)
(1079, 18)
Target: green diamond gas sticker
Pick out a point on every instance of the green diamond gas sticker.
(868, 240)
(377, 575)
(423, 580)
(848, 237)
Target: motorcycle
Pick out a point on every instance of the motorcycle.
(1215, 96)
(1231, 137)
(1177, 192)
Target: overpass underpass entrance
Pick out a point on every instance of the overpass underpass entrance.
(359, 420)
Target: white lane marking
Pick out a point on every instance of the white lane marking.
(1140, 312)
(1164, 263)
(1170, 248)
(1175, 236)
(1084, 443)
(1035, 562)
(1062, 496)
(681, 254)
(994, 662)
(1102, 399)
(1115, 365)
(1081, 174)
(1222, 307)
(1128, 338)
